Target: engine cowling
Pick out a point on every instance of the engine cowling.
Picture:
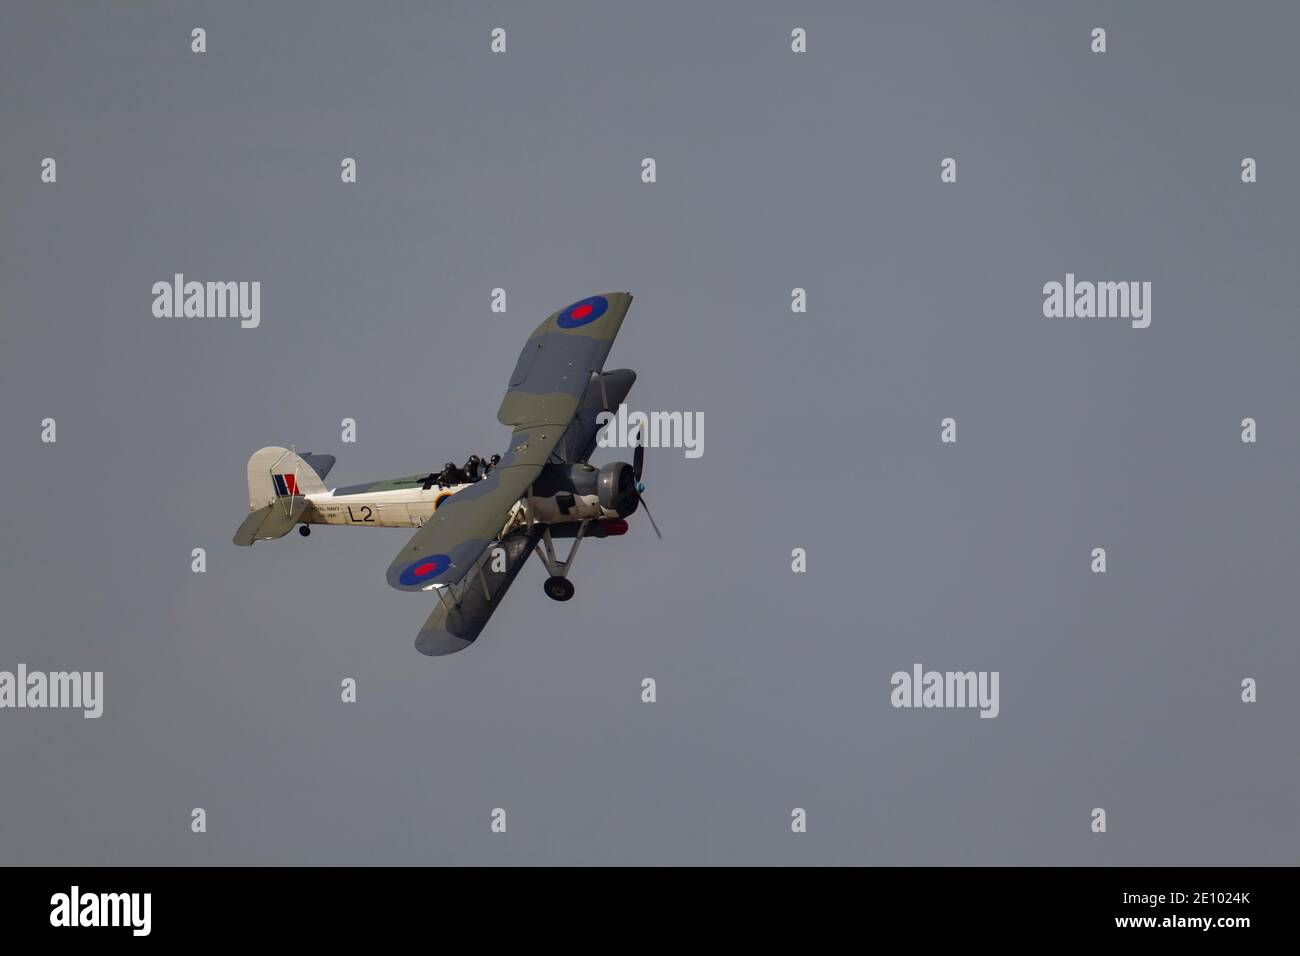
(616, 488)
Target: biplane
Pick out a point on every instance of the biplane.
(473, 537)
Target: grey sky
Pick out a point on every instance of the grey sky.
(775, 170)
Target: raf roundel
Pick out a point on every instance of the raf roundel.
(424, 569)
(580, 313)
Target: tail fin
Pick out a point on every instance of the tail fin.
(275, 472)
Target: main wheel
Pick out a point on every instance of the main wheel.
(558, 589)
(304, 530)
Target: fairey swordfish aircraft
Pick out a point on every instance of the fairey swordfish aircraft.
(475, 531)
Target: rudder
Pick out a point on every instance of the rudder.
(275, 472)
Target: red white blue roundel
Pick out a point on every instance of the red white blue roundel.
(424, 569)
(580, 313)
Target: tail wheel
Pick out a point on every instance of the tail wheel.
(304, 530)
(558, 589)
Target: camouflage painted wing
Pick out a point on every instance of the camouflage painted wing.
(450, 543)
(605, 393)
(555, 366)
(454, 627)
(548, 382)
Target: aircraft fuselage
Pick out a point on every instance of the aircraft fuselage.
(563, 494)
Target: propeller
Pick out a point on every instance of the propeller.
(638, 464)
(646, 507)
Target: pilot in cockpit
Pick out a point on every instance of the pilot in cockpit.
(451, 475)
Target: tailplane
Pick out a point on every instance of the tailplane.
(278, 482)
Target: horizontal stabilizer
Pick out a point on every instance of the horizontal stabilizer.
(273, 521)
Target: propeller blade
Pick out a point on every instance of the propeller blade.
(638, 456)
(641, 498)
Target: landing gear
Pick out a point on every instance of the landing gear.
(557, 586)
(558, 589)
(304, 530)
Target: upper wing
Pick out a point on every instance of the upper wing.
(606, 392)
(550, 378)
(556, 364)
(446, 548)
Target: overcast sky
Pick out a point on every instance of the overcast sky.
(775, 170)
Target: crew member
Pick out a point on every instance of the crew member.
(451, 475)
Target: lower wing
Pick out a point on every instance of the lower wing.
(457, 621)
